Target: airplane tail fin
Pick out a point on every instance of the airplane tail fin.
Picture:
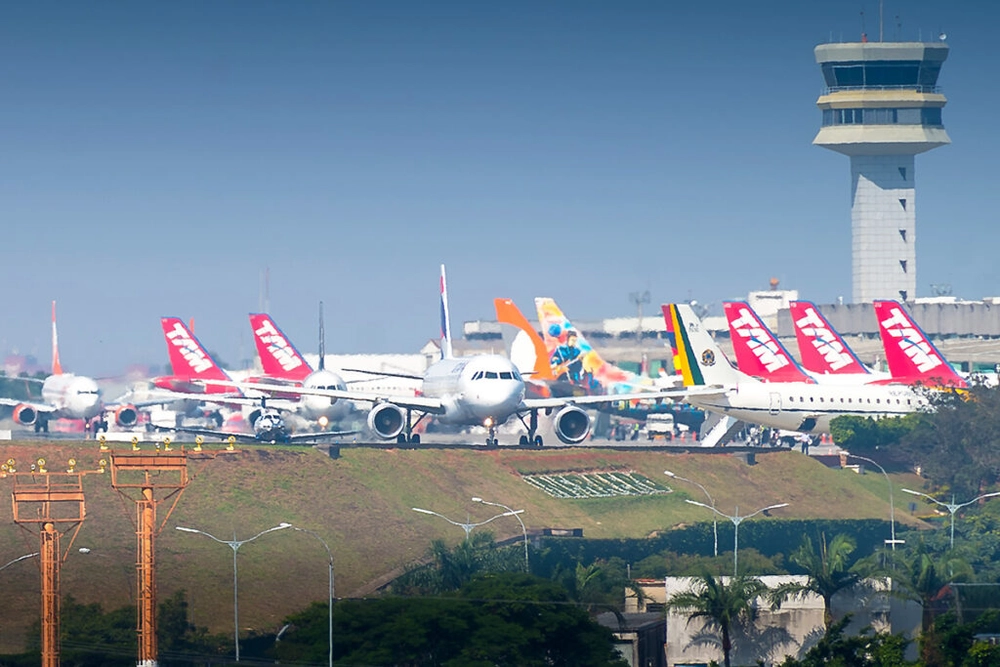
(278, 357)
(446, 349)
(911, 356)
(56, 366)
(321, 366)
(526, 349)
(699, 360)
(759, 353)
(187, 356)
(821, 347)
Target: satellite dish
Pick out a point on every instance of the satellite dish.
(942, 36)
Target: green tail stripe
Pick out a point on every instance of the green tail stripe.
(696, 377)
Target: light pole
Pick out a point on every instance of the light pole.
(737, 520)
(18, 560)
(715, 521)
(892, 509)
(235, 545)
(330, 613)
(467, 527)
(516, 515)
(952, 507)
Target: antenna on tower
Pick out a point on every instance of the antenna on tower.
(864, 34)
(322, 340)
(881, 7)
(264, 296)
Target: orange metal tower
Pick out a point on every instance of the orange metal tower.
(138, 477)
(53, 505)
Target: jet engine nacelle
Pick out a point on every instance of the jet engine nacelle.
(386, 420)
(25, 415)
(572, 425)
(126, 415)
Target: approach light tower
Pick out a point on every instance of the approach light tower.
(881, 107)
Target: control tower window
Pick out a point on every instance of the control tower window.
(881, 74)
(927, 116)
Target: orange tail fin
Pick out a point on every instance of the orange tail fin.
(56, 366)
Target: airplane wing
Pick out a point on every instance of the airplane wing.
(388, 374)
(210, 433)
(421, 403)
(542, 403)
(37, 407)
(322, 435)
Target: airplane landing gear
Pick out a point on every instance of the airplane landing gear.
(532, 438)
(408, 436)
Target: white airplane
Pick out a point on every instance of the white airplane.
(807, 407)
(68, 396)
(480, 390)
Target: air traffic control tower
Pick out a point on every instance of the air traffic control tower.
(881, 107)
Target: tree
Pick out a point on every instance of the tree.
(830, 571)
(451, 568)
(721, 604)
(864, 650)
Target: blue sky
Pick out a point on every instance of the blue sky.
(156, 157)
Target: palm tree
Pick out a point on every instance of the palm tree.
(829, 571)
(722, 604)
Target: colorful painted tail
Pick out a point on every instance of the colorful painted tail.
(911, 356)
(526, 350)
(188, 359)
(699, 360)
(758, 351)
(278, 357)
(56, 366)
(446, 351)
(556, 329)
(822, 349)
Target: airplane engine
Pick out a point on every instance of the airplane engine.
(386, 421)
(126, 415)
(25, 415)
(254, 415)
(572, 425)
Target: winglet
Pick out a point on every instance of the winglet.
(446, 351)
(508, 313)
(821, 348)
(910, 354)
(56, 366)
(758, 351)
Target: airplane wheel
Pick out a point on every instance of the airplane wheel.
(492, 442)
(45, 427)
(38, 427)
(523, 440)
(415, 439)
(538, 441)
(401, 439)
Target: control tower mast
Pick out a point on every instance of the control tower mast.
(881, 107)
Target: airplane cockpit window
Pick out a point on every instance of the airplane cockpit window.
(517, 376)
(477, 375)
(506, 375)
(491, 375)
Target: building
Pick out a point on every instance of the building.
(881, 107)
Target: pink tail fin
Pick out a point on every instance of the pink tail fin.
(278, 356)
(822, 349)
(910, 354)
(758, 351)
(188, 359)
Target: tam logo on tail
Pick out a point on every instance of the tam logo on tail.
(277, 345)
(910, 340)
(823, 340)
(182, 343)
(759, 340)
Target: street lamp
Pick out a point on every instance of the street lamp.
(330, 613)
(952, 507)
(467, 527)
(18, 560)
(892, 509)
(235, 545)
(715, 521)
(737, 520)
(517, 516)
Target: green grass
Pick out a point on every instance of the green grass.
(360, 504)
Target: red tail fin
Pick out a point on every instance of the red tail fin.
(56, 366)
(758, 352)
(188, 359)
(278, 357)
(910, 354)
(822, 349)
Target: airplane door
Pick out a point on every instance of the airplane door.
(775, 403)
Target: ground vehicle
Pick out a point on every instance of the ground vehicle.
(660, 425)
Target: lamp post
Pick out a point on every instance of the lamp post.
(330, 612)
(467, 527)
(737, 520)
(892, 509)
(952, 507)
(516, 515)
(18, 560)
(715, 521)
(235, 545)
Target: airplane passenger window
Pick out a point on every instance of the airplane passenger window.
(491, 375)
(811, 399)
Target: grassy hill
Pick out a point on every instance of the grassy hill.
(361, 505)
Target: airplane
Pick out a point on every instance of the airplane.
(479, 390)
(758, 352)
(282, 363)
(822, 349)
(911, 356)
(807, 407)
(68, 396)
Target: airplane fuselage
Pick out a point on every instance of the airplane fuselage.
(475, 389)
(73, 396)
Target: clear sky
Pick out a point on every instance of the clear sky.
(156, 157)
